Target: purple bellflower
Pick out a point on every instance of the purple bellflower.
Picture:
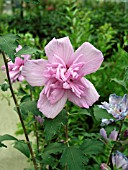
(120, 161)
(112, 136)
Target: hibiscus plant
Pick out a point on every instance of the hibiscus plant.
(57, 107)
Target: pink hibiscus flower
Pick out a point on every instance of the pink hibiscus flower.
(16, 67)
(62, 75)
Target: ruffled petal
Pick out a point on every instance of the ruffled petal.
(59, 47)
(48, 109)
(19, 61)
(81, 102)
(90, 56)
(33, 72)
(87, 99)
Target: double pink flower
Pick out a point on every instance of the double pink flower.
(62, 75)
(16, 67)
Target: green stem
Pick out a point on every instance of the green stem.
(19, 113)
(112, 149)
(66, 131)
(37, 138)
(66, 137)
(36, 131)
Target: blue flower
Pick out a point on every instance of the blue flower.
(117, 106)
(119, 160)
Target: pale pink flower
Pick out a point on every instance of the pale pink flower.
(104, 166)
(16, 67)
(62, 75)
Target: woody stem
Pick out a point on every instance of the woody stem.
(19, 113)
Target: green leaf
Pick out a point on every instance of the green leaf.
(54, 148)
(120, 82)
(4, 86)
(100, 113)
(22, 147)
(2, 145)
(126, 73)
(84, 112)
(29, 106)
(4, 138)
(73, 158)
(27, 50)
(7, 137)
(48, 160)
(51, 126)
(33, 1)
(92, 147)
(8, 44)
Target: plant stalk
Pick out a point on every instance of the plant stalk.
(19, 113)
(112, 149)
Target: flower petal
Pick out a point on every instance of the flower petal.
(114, 99)
(88, 99)
(26, 57)
(20, 78)
(33, 71)
(103, 133)
(14, 75)
(19, 61)
(124, 103)
(113, 135)
(91, 56)
(125, 166)
(61, 47)
(48, 109)
(18, 48)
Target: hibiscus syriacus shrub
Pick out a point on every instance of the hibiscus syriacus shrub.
(55, 102)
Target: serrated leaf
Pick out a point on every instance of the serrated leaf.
(100, 113)
(54, 148)
(73, 158)
(8, 44)
(92, 147)
(27, 50)
(22, 147)
(51, 126)
(29, 106)
(48, 160)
